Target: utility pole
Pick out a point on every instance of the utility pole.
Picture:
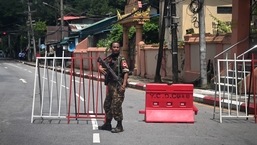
(32, 32)
(203, 66)
(157, 78)
(61, 11)
(29, 42)
(174, 42)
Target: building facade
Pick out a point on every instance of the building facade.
(220, 9)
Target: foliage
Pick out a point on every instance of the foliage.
(97, 8)
(132, 32)
(48, 13)
(104, 43)
(222, 27)
(151, 31)
(40, 28)
(14, 12)
(117, 4)
(11, 13)
(14, 15)
(115, 35)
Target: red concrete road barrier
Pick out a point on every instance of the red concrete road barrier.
(169, 103)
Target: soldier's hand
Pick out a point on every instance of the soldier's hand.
(102, 70)
(122, 89)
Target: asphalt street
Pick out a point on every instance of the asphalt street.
(16, 92)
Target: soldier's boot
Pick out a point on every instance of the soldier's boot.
(119, 128)
(106, 126)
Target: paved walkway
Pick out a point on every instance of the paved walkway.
(200, 95)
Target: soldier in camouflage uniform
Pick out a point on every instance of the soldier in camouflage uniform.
(115, 93)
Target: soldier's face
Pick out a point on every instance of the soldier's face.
(116, 48)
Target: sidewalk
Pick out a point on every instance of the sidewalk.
(200, 95)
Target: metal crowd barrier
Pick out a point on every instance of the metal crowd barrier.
(65, 91)
(234, 88)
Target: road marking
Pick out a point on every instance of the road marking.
(14, 65)
(82, 99)
(94, 124)
(19, 67)
(23, 80)
(65, 87)
(96, 138)
(55, 81)
(5, 67)
(78, 81)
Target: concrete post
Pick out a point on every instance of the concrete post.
(125, 50)
(137, 52)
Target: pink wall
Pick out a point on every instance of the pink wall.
(214, 45)
(148, 59)
(89, 57)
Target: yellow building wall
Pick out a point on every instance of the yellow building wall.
(210, 8)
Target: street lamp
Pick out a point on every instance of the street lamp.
(61, 14)
(44, 3)
(56, 12)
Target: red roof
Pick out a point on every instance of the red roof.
(65, 18)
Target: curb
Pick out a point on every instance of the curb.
(138, 86)
(207, 99)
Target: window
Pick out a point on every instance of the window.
(224, 10)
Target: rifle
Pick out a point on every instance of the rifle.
(109, 71)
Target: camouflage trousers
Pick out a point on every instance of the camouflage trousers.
(113, 103)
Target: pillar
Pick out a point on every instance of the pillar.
(125, 49)
(142, 58)
(240, 25)
(137, 52)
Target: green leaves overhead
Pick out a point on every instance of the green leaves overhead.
(96, 8)
(11, 13)
(14, 12)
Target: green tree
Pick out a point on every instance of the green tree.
(150, 33)
(115, 35)
(11, 14)
(40, 29)
(99, 8)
